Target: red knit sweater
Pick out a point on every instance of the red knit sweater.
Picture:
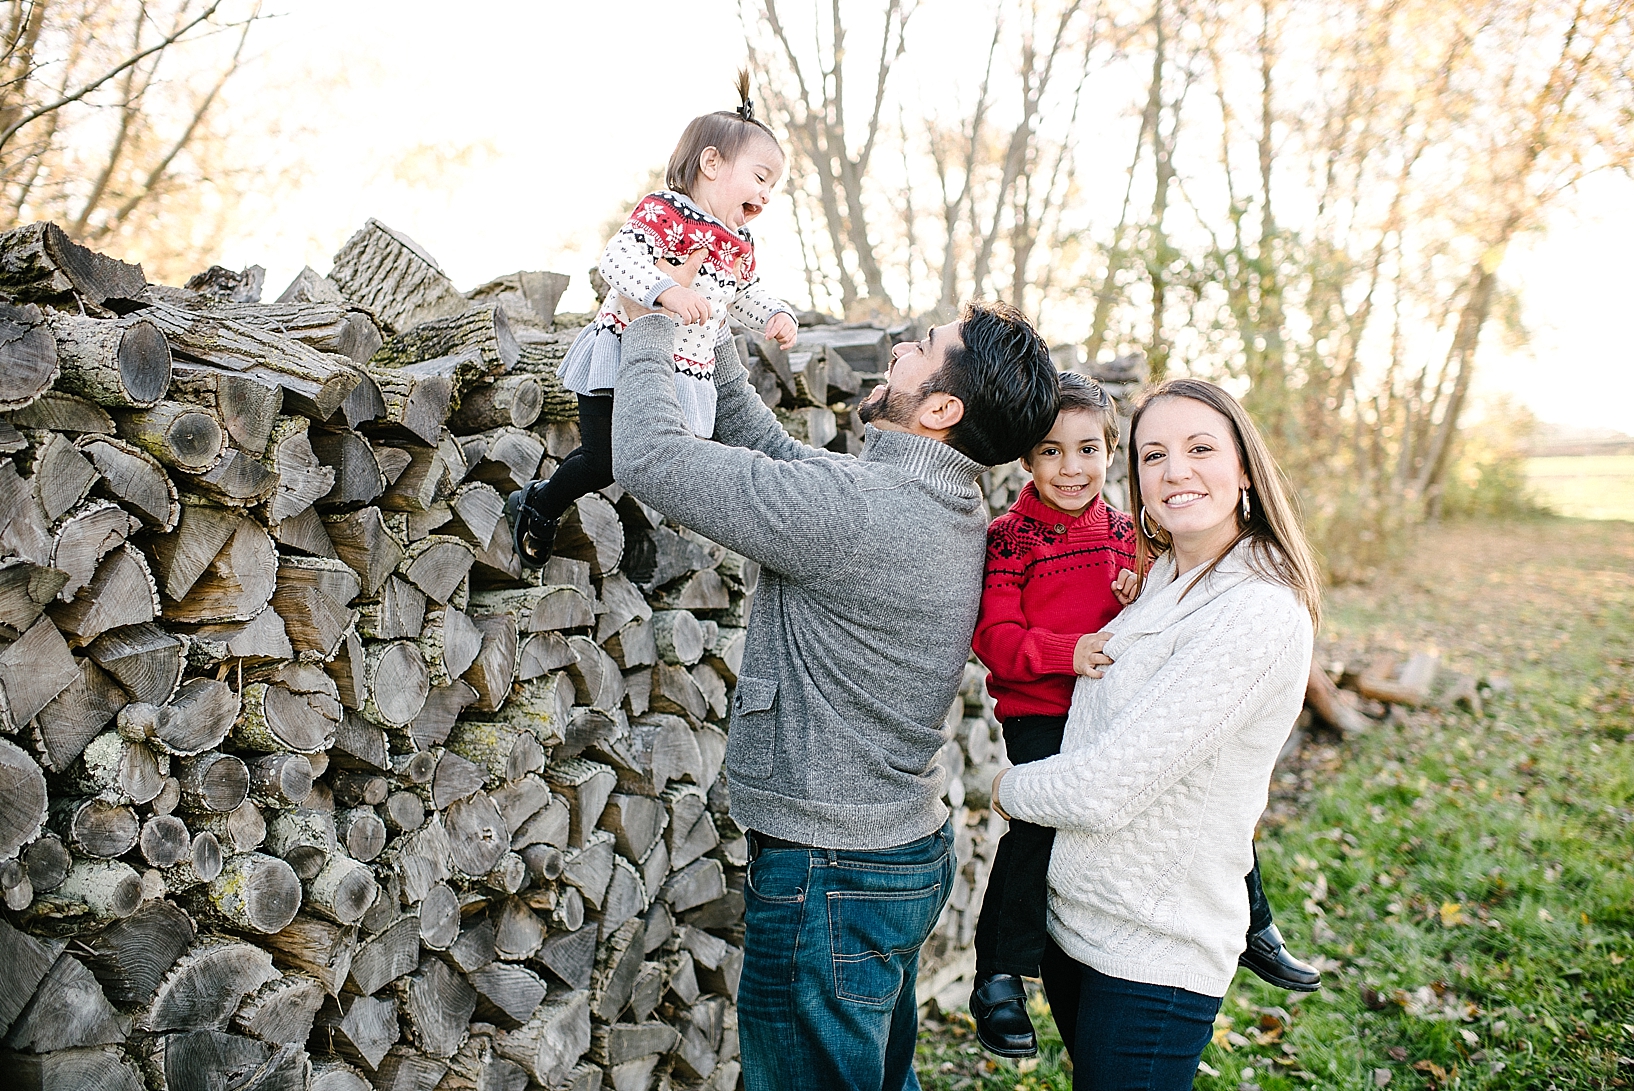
(1048, 582)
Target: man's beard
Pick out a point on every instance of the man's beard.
(895, 407)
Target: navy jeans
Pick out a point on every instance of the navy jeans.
(1126, 1035)
(830, 961)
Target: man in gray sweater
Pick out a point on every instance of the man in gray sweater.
(871, 578)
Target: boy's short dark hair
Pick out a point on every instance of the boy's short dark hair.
(1001, 371)
(1079, 394)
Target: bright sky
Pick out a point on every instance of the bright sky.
(505, 137)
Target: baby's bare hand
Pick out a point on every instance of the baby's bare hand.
(1087, 657)
(783, 329)
(1126, 586)
(685, 304)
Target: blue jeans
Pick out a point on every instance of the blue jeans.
(1126, 1035)
(830, 961)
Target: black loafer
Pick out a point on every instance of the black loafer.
(1268, 957)
(999, 1004)
(532, 536)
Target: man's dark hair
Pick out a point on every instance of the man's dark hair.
(1002, 373)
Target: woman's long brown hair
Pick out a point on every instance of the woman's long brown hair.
(1280, 551)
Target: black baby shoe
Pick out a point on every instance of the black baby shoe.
(532, 535)
(999, 1004)
(1268, 957)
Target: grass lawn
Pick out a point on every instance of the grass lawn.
(1585, 486)
(1467, 880)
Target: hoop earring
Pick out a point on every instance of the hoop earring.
(1150, 533)
(1246, 512)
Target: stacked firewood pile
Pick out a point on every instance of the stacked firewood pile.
(304, 781)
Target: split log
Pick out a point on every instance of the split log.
(145, 659)
(246, 405)
(591, 531)
(77, 715)
(437, 564)
(712, 687)
(699, 882)
(431, 475)
(33, 670)
(636, 823)
(304, 531)
(586, 786)
(510, 458)
(590, 868)
(213, 782)
(421, 859)
(314, 383)
(443, 705)
(25, 589)
(241, 829)
(360, 1028)
(474, 948)
(449, 642)
(398, 611)
(134, 478)
(196, 719)
(317, 947)
(122, 592)
(480, 511)
(132, 956)
(659, 749)
(28, 354)
(67, 1011)
(24, 528)
(647, 991)
(550, 1043)
(703, 590)
(302, 479)
(518, 931)
(296, 707)
(691, 832)
(528, 296)
(416, 400)
(346, 668)
(618, 962)
(283, 1010)
(403, 1069)
(206, 986)
(184, 437)
(570, 955)
(256, 892)
(58, 412)
(540, 609)
(494, 668)
(23, 801)
(358, 478)
(438, 1004)
(60, 476)
(312, 595)
(625, 898)
(237, 480)
(541, 653)
(362, 541)
(40, 263)
(597, 681)
(237, 583)
(631, 647)
(623, 1042)
(398, 282)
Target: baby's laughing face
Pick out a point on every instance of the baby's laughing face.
(741, 189)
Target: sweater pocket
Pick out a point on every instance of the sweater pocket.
(752, 742)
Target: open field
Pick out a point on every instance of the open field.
(1585, 486)
(1468, 879)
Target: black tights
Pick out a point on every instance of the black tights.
(589, 467)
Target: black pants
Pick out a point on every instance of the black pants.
(589, 467)
(1010, 933)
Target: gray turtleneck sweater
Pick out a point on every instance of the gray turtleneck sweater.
(871, 577)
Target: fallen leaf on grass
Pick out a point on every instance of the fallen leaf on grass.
(1397, 1053)
(1452, 915)
(1207, 1069)
(1438, 1075)
(1545, 916)
(1382, 1077)
(1616, 959)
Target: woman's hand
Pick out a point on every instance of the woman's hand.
(783, 329)
(1126, 586)
(1087, 658)
(996, 805)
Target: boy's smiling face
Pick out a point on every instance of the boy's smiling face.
(1069, 465)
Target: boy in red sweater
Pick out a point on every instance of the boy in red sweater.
(1059, 567)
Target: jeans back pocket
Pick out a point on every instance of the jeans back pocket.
(876, 934)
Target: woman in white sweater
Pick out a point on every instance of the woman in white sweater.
(1164, 768)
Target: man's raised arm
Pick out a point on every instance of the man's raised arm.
(799, 515)
(742, 419)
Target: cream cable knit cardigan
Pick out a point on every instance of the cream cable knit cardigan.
(1163, 773)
